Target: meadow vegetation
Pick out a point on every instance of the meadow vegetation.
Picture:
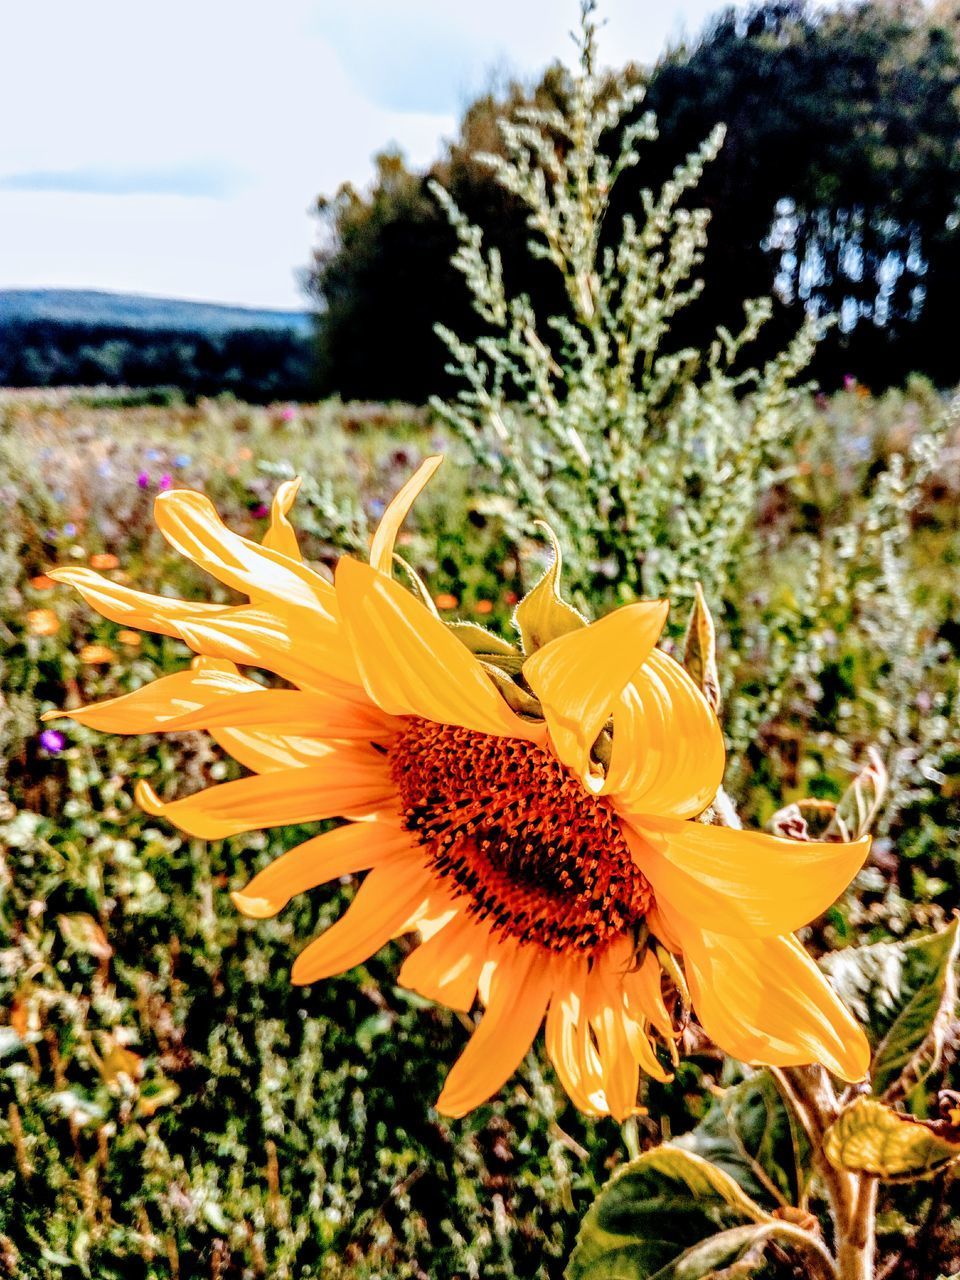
(171, 1105)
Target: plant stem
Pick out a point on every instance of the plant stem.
(857, 1245)
(852, 1197)
(631, 1137)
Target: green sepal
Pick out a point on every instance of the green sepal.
(543, 615)
(481, 641)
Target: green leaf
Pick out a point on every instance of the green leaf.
(668, 1214)
(542, 616)
(869, 1137)
(700, 651)
(904, 995)
(752, 1135)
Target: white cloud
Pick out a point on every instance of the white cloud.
(288, 98)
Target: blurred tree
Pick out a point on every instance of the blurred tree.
(837, 188)
(838, 180)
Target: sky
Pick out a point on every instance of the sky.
(177, 149)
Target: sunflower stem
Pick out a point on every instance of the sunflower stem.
(631, 1136)
(852, 1197)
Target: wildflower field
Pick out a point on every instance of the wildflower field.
(171, 1105)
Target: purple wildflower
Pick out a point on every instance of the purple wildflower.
(52, 741)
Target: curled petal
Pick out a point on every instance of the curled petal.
(643, 990)
(312, 657)
(410, 663)
(381, 549)
(355, 847)
(166, 703)
(764, 1001)
(281, 536)
(668, 754)
(744, 883)
(619, 1066)
(190, 523)
(565, 1038)
(579, 676)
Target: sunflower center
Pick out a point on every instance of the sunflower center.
(514, 831)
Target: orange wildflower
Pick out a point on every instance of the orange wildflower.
(446, 601)
(95, 655)
(131, 638)
(42, 622)
(531, 816)
(104, 560)
(42, 582)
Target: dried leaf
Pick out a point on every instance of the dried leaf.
(700, 651)
(83, 933)
(858, 807)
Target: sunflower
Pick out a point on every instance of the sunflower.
(530, 815)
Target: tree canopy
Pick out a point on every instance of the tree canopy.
(836, 190)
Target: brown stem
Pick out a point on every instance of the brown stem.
(852, 1197)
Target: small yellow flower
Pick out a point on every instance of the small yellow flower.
(131, 638)
(530, 816)
(42, 622)
(96, 655)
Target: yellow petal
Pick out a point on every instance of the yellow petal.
(447, 967)
(388, 903)
(165, 703)
(134, 608)
(519, 993)
(306, 655)
(668, 755)
(410, 663)
(579, 677)
(643, 990)
(355, 847)
(381, 549)
(190, 523)
(563, 1040)
(270, 749)
(281, 536)
(347, 783)
(744, 883)
(764, 1001)
(619, 1067)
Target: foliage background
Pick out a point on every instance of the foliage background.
(170, 1105)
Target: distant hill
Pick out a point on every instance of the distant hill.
(134, 311)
